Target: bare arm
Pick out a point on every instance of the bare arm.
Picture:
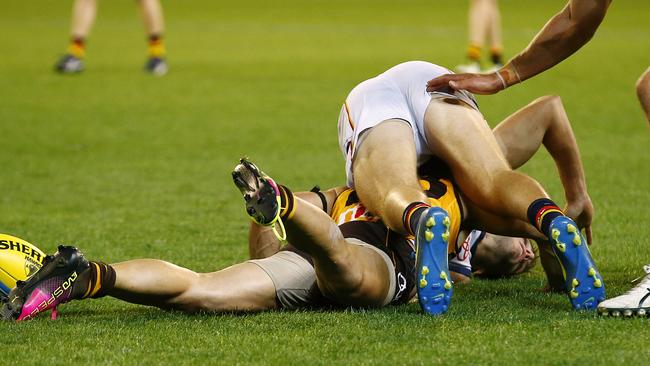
(263, 243)
(544, 121)
(562, 36)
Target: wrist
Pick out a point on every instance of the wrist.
(509, 75)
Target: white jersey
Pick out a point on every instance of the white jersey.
(462, 262)
(398, 93)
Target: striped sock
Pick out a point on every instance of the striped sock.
(541, 213)
(496, 56)
(287, 203)
(411, 216)
(77, 47)
(95, 282)
(156, 46)
(474, 52)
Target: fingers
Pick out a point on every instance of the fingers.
(473, 83)
(588, 234)
(441, 82)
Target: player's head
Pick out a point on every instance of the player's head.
(502, 256)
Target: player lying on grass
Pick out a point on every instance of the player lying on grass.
(389, 125)
(341, 254)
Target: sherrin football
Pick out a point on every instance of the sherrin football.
(18, 260)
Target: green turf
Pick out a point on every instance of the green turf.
(125, 165)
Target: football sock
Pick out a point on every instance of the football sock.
(95, 282)
(412, 214)
(541, 213)
(474, 52)
(77, 47)
(156, 46)
(287, 203)
(496, 56)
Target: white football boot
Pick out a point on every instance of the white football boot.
(636, 301)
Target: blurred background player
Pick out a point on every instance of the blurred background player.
(83, 18)
(643, 92)
(561, 36)
(484, 24)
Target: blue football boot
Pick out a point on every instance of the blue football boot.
(433, 278)
(584, 284)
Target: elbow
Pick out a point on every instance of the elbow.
(584, 23)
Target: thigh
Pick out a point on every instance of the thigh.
(385, 160)
(461, 137)
(241, 287)
(363, 276)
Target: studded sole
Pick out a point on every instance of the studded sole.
(434, 285)
(584, 284)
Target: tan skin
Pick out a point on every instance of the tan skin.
(643, 92)
(562, 36)
(485, 23)
(349, 274)
(85, 11)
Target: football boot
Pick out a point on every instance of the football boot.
(471, 67)
(433, 281)
(636, 301)
(50, 286)
(583, 283)
(69, 64)
(156, 66)
(261, 193)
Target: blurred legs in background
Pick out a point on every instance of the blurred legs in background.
(83, 17)
(484, 24)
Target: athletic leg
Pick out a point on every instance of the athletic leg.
(385, 176)
(460, 136)
(347, 273)
(83, 18)
(152, 17)
(494, 33)
(479, 17)
(241, 287)
(67, 276)
(385, 172)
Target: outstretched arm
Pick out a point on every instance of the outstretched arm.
(562, 36)
(263, 243)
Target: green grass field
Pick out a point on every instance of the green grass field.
(125, 165)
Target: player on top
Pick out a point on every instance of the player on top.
(83, 17)
(356, 263)
(389, 125)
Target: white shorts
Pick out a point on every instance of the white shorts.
(399, 93)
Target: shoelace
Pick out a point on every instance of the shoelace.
(282, 237)
(646, 268)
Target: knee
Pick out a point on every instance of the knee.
(347, 282)
(551, 103)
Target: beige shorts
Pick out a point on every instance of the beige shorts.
(294, 278)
